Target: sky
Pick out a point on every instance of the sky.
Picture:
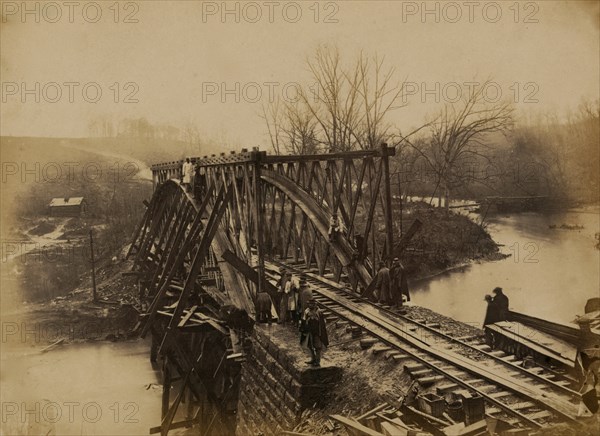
(214, 63)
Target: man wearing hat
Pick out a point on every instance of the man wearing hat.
(501, 303)
(383, 282)
(399, 282)
(313, 332)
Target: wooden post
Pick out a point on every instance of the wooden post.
(166, 387)
(389, 223)
(258, 221)
(94, 295)
(401, 205)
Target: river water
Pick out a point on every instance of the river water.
(550, 274)
(78, 389)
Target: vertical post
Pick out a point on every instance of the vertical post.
(389, 223)
(94, 295)
(166, 387)
(401, 205)
(258, 220)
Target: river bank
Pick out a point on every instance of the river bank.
(447, 240)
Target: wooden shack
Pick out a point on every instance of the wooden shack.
(67, 206)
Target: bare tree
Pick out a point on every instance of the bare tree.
(343, 109)
(459, 132)
(191, 136)
(272, 115)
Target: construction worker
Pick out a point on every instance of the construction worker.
(313, 332)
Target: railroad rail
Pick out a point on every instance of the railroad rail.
(527, 397)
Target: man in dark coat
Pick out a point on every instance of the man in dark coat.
(263, 307)
(383, 283)
(399, 282)
(501, 303)
(491, 313)
(313, 332)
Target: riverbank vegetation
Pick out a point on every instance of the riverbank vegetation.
(445, 240)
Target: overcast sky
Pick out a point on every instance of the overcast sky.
(178, 58)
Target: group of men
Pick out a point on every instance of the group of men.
(192, 179)
(391, 284)
(295, 303)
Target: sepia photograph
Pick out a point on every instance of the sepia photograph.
(301, 218)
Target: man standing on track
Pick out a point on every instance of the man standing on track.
(313, 332)
(383, 284)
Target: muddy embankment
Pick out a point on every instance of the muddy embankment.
(445, 241)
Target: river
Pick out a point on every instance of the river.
(550, 274)
(78, 389)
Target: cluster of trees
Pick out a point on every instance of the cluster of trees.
(104, 126)
(566, 150)
(469, 148)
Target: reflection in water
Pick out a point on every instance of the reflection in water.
(100, 388)
(551, 272)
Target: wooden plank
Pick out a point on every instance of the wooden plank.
(566, 332)
(372, 411)
(427, 416)
(247, 271)
(550, 351)
(355, 426)
(174, 426)
(186, 318)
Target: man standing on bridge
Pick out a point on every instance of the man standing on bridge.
(187, 174)
(313, 332)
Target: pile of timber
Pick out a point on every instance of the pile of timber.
(420, 419)
(383, 420)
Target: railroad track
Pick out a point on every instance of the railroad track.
(525, 397)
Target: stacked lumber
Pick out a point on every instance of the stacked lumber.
(382, 420)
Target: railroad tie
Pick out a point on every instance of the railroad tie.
(413, 367)
(449, 387)
(496, 395)
(523, 405)
(427, 381)
(381, 349)
(368, 343)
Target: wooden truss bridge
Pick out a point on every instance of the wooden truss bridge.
(200, 256)
(205, 255)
